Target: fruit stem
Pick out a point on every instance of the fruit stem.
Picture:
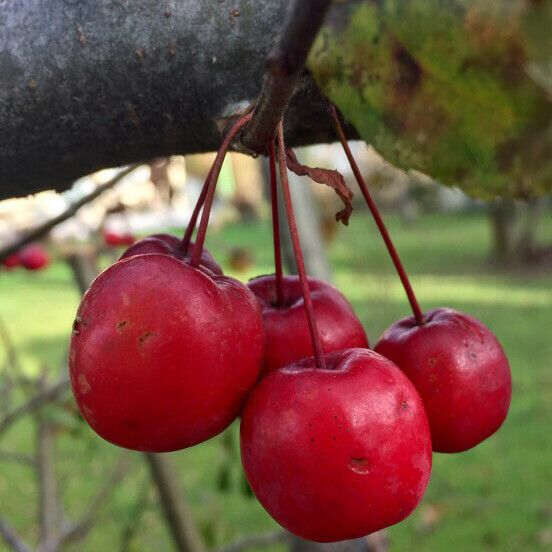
(215, 171)
(185, 244)
(313, 328)
(417, 312)
(275, 226)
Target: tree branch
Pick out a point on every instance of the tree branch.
(12, 539)
(175, 507)
(85, 92)
(284, 68)
(78, 530)
(262, 540)
(44, 396)
(17, 458)
(43, 229)
(48, 495)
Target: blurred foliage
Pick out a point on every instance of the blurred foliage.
(458, 89)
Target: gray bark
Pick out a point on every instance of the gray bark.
(86, 85)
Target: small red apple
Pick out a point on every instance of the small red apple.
(163, 355)
(286, 328)
(336, 453)
(117, 239)
(170, 245)
(12, 261)
(460, 370)
(34, 257)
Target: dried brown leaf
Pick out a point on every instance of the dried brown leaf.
(330, 178)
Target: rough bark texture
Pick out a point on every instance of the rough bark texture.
(86, 85)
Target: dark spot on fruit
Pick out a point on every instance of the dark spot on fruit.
(312, 439)
(473, 355)
(348, 431)
(78, 324)
(333, 437)
(122, 324)
(144, 337)
(359, 465)
(335, 417)
(310, 425)
(432, 361)
(404, 405)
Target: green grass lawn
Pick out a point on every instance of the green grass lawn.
(497, 496)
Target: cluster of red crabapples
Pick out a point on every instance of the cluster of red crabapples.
(336, 439)
(31, 257)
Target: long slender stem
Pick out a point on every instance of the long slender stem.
(275, 226)
(284, 67)
(311, 319)
(185, 244)
(42, 229)
(418, 315)
(217, 165)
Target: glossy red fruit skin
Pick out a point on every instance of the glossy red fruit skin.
(286, 329)
(34, 257)
(115, 239)
(339, 453)
(163, 355)
(170, 245)
(12, 261)
(460, 371)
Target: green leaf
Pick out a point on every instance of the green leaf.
(458, 89)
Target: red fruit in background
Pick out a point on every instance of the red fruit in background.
(116, 239)
(34, 257)
(460, 371)
(338, 453)
(170, 245)
(11, 261)
(286, 329)
(162, 354)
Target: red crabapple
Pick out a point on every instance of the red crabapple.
(286, 329)
(163, 355)
(336, 453)
(34, 257)
(460, 370)
(170, 245)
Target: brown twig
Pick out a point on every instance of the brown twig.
(42, 229)
(17, 458)
(262, 540)
(44, 396)
(80, 529)
(12, 539)
(175, 507)
(284, 67)
(49, 501)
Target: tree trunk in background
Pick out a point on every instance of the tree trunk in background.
(527, 247)
(308, 223)
(502, 215)
(84, 267)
